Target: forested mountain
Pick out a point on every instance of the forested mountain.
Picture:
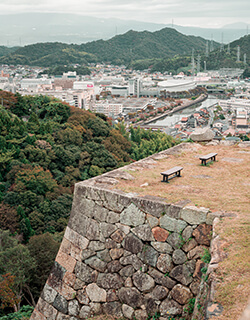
(5, 50)
(46, 146)
(164, 50)
(120, 49)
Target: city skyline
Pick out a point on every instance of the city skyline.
(204, 14)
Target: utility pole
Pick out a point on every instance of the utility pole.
(228, 48)
(205, 66)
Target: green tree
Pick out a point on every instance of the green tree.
(15, 259)
(43, 250)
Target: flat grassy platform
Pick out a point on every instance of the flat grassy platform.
(222, 186)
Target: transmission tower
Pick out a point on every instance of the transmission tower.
(222, 44)
(238, 54)
(192, 62)
(198, 64)
(245, 58)
(207, 49)
(211, 44)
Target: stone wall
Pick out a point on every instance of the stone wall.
(127, 256)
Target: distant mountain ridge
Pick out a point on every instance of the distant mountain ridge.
(28, 28)
(120, 49)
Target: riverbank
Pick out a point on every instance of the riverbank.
(188, 104)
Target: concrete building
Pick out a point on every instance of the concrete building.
(107, 108)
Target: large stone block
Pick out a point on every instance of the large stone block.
(83, 272)
(152, 221)
(160, 292)
(127, 311)
(152, 207)
(104, 255)
(47, 310)
(82, 296)
(127, 271)
(131, 297)
(77, 239)
(100, 213)
(109, 280)
(193, 215)
(179, 256)
(161, 278)
(132, 260)
(61, 304)
(143, 232)
(132, 243)
(96, 246)
(116, 253)
(175, 240)
(165, 263)
(95, 293)
(113, 308)
(113, 217)
(181, 294)
(132, 216)
(148, 255)
(162, 247)
(48, 294)
(203, 234)
(182, 273)
(86, 226)
(85, 312)
(172, 224)
(73, 308)
(111, 201)
(86, 207)
(160, 234)
(69, 248)
(118, 236)
(36, 315)
(170, 308)
(66, 261)
(107, 229)
(96, 263)
(204, 134)
(143, 281)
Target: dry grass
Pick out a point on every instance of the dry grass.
(222, 186)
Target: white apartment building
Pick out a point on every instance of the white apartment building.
(109, 109)
(35, 84)
(235, 103)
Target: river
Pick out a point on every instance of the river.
(169, 121)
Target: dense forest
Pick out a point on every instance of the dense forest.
(46, 146)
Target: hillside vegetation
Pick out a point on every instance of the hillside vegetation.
(121, 49)
(46, 146)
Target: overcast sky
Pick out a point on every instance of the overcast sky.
(203, 13)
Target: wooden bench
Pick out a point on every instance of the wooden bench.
(176, 171)
(205, 158)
